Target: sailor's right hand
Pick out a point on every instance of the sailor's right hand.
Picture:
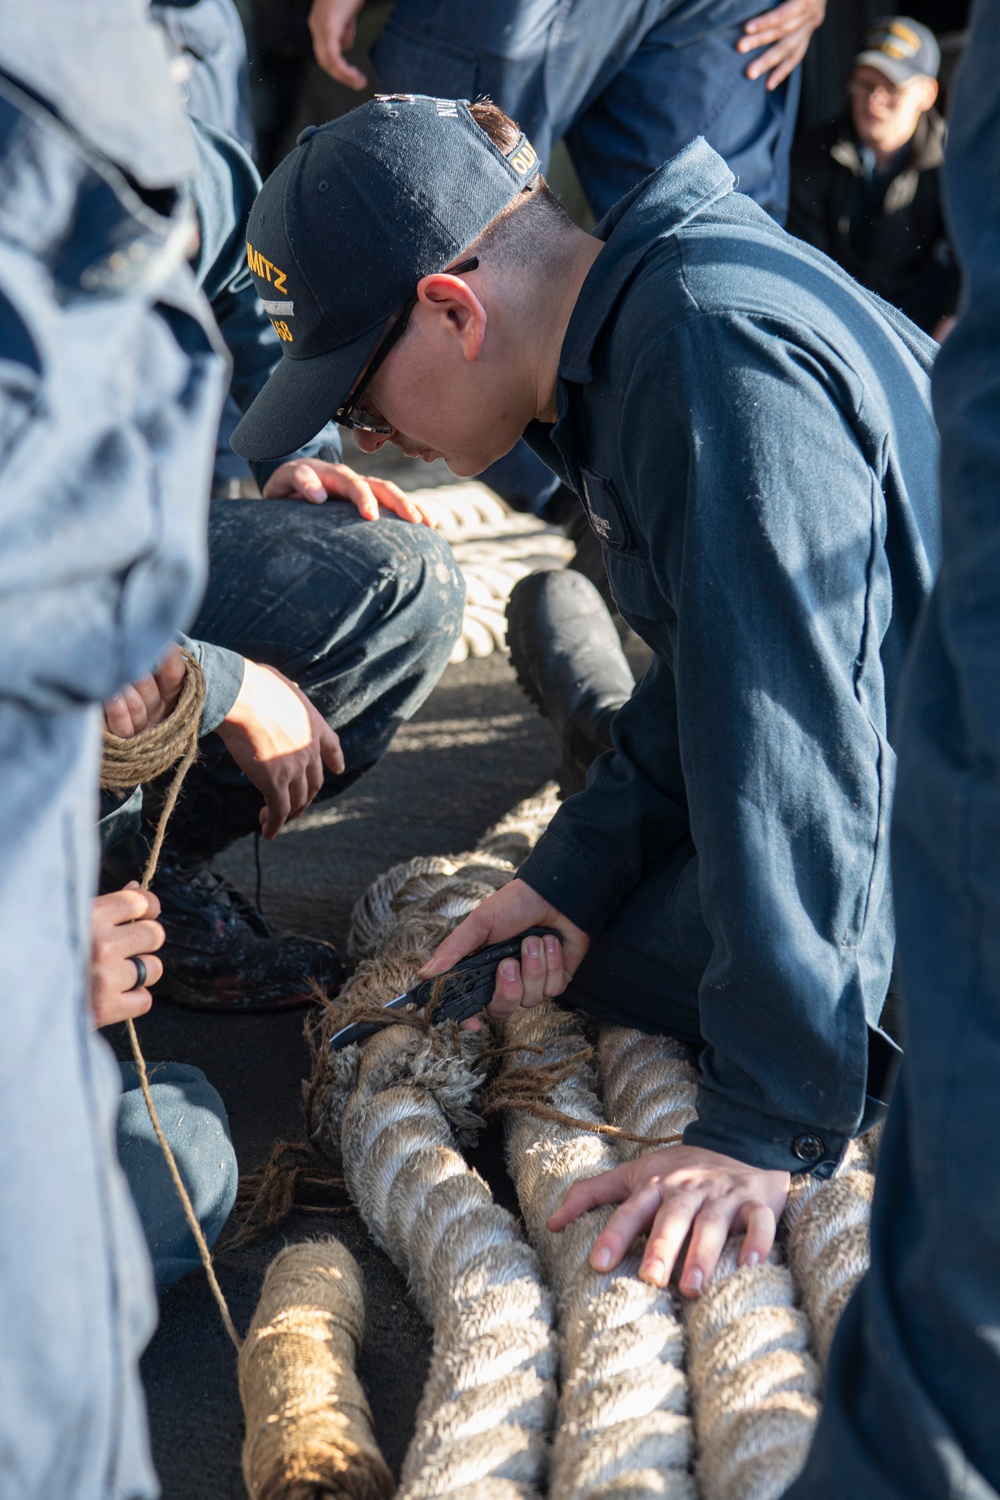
(546, 965)
(333, 24)
(281, 743)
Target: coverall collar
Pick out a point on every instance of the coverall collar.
(668, 199)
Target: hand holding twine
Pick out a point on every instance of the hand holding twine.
(128, 763)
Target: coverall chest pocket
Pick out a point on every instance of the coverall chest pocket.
(604, 511)
(632, 583)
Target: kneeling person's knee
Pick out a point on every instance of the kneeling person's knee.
(434, 596)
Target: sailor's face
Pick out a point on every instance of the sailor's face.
(437, 404)
(886, 114)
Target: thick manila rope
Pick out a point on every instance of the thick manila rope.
(435, 878)
(396, 1104)
(308, 1423)
(827, 1226)
(623, 1427)
(754, 1384)
(494, 549)
(430, 893)
(729, 1447)
(490, 1393)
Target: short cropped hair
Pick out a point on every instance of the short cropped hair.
(533, 223)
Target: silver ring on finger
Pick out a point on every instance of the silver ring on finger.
(141, 974)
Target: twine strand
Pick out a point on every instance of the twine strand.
(128, 763)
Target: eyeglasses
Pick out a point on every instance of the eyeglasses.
(350, 413)
(890, 93)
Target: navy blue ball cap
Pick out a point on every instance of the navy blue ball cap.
(342, 232)
(901, 48)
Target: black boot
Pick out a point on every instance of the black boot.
(565, 650)
(219, 953)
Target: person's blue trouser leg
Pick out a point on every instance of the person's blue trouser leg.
(913, 1393)
(76, 1295)
(668, 71)
(361, 614)
(194, 1122)
(684, 81)
(644, 967)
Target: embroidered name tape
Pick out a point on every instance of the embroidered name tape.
(265, 269)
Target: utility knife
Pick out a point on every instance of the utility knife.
(467, 988)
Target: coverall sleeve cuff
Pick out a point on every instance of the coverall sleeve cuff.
(563, 875)
(223, 671)
(765, 1141)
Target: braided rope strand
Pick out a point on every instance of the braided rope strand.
(827, 1226)
(753, 1382)
(623, 1427)
(490, 1395)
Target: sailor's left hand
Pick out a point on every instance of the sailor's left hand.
(316, 480)
(148, 701)
(281, 742)
(671, 1193)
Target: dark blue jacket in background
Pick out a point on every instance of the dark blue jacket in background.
(751, 433)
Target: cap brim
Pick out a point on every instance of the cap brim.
(300, 397)
(896, 71)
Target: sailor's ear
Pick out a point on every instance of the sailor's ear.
(453, 301)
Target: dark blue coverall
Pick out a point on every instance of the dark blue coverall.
(628, 84)
(110, 389)
(913, 1387)
(750, 432)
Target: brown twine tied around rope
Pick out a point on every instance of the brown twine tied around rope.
(303, 1175)
(126, 764)
(529, 1089)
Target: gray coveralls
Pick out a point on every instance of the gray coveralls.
(110, 389)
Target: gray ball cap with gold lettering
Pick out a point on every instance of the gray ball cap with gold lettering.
(901, 48)
(342, 232)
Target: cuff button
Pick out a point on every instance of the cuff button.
(808, 1147)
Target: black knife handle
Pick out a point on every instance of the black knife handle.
(468, 987)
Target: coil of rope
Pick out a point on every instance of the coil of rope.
(308, 1423)
(494, 549)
